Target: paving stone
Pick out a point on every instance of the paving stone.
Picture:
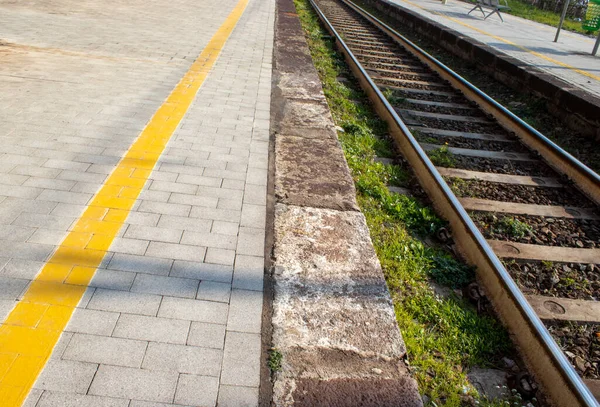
(165, 208)
(125, 382)
(225, 228)
(232, 204)
(255, 194)
(105, 350)
(138, 403)
(154, 233)
(23, 269)
(206, 335)
(214, 291)
(185, 223)
(215, 214)
(183, 359)
(251, 241)
(156, 196)
(199, 180)
(220, 256)
(112, 279)
(92, 322)
(54, 399)
(176, 251)
(245, 310)
(249, 272)
(11, 288)
(195, 200)
(237, 396)
(152, 329)
(162, 285)
(16, 233)
(32, 398)
(178, 187)
(140, 264)
(214, 240)
(66, 376)
(233, 184)
(129, 246)
(197, 390)
(47, 236)
(5, 307)
(39, 220)
(123, 301)
(193, 310)
(241, 359)
(143, 218)
(202, 271)
(253, 216)
(64, 196)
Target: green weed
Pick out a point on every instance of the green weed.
(275, 360)
(513, 227)
(442, 157)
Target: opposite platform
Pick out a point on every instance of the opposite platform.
(569, 59)
(161, 254)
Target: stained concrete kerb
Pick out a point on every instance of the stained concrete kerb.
(333, 318)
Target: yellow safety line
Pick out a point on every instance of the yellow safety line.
(537, 54)
(31, 330)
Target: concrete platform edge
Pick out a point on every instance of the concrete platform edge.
(579, 109)
(332, 315)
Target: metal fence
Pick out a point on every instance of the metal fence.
(576, 9)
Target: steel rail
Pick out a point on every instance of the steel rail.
(551, 368)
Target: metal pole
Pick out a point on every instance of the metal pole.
(596, 44)
(562, 19)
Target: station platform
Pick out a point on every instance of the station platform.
(134, 143)
(569, 59)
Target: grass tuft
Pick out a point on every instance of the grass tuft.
(275, 360)
(442, 157)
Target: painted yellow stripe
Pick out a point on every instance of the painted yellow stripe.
(31, 330)
(537, 54)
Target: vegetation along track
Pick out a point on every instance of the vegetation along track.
(518, 204)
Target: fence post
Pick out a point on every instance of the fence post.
(562, 19)
(596, 44)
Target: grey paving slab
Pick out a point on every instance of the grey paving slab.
(152, 329)
(202, 271)
(241, 360)
(113, 280)
(126, 382)
(238, 396)
(105, 350)
(123, 301)
(176, 251)
(197, 390)
(193, 310)
(140, 264)
(206, 335)
(55, 399)
(168, 286)
(214, 291)
(93, 322)
(245, 309)
(138, 403)
(183, 359)
(67, 376)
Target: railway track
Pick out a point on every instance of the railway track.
(522, 210)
